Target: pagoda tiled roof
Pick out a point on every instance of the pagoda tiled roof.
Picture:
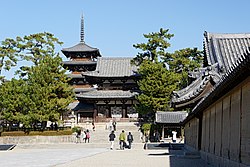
(80, 47)
(113, 67)
(107, 94)
(79, 62)
(222, 51)
(170, 117)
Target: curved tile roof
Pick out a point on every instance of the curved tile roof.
(191, 92)
(222, 51)
(235, 75)
(170, 116)
(113, 67)
(225, 49)
(75, 106)
(80, 47)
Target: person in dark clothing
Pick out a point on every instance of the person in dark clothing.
(157, 136)
(114, 125)
(129, 139)
(55, 126)
(93, 126)
(52, 126)
(111, 139)
(78, 135)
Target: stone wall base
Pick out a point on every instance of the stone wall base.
(37, 139)
(219, 161)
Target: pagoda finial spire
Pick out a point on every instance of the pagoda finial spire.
(82, 29)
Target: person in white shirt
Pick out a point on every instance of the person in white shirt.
(174, 136)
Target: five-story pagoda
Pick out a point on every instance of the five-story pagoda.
(82, 59)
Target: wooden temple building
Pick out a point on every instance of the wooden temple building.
(218, 124)
(170, 121)
(105, 88)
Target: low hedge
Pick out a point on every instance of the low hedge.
(38, 133)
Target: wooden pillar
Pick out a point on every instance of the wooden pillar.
(123, 111)
(124, 108)
(200, 131)
(162, 132)
(107, 108)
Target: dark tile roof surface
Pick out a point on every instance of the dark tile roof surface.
(170, 116)
(113, 67)
(107, 94)
(75, 106)
(80, 47)
(235, 75)
(225, 49)
(222, 51)
(195, 88)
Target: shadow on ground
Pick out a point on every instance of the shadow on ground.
(178, 156)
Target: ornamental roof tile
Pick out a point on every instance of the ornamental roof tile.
(113, 67)
(170, 116)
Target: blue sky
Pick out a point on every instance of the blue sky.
(114, 26)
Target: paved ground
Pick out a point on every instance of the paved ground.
(94, 155)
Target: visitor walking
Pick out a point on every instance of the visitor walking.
(156, 136)
(110, 125)
(83, 135)
(111, 139)
(174, 136)
(130, 139)
(114, 125)
(78, 136)
(87, 136)
(122, 140)
(93, 126)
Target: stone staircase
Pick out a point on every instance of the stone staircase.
(101, 133)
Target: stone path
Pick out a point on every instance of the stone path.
(94, 155)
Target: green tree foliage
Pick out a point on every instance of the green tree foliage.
(155, 48)
(44, 93)
(162, 72)
(50, 92)
(31, 48)
(12, 97)
(183, 61)
(156, 86)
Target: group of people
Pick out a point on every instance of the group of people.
(122, 140)
(82, 135)
(53, 126)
